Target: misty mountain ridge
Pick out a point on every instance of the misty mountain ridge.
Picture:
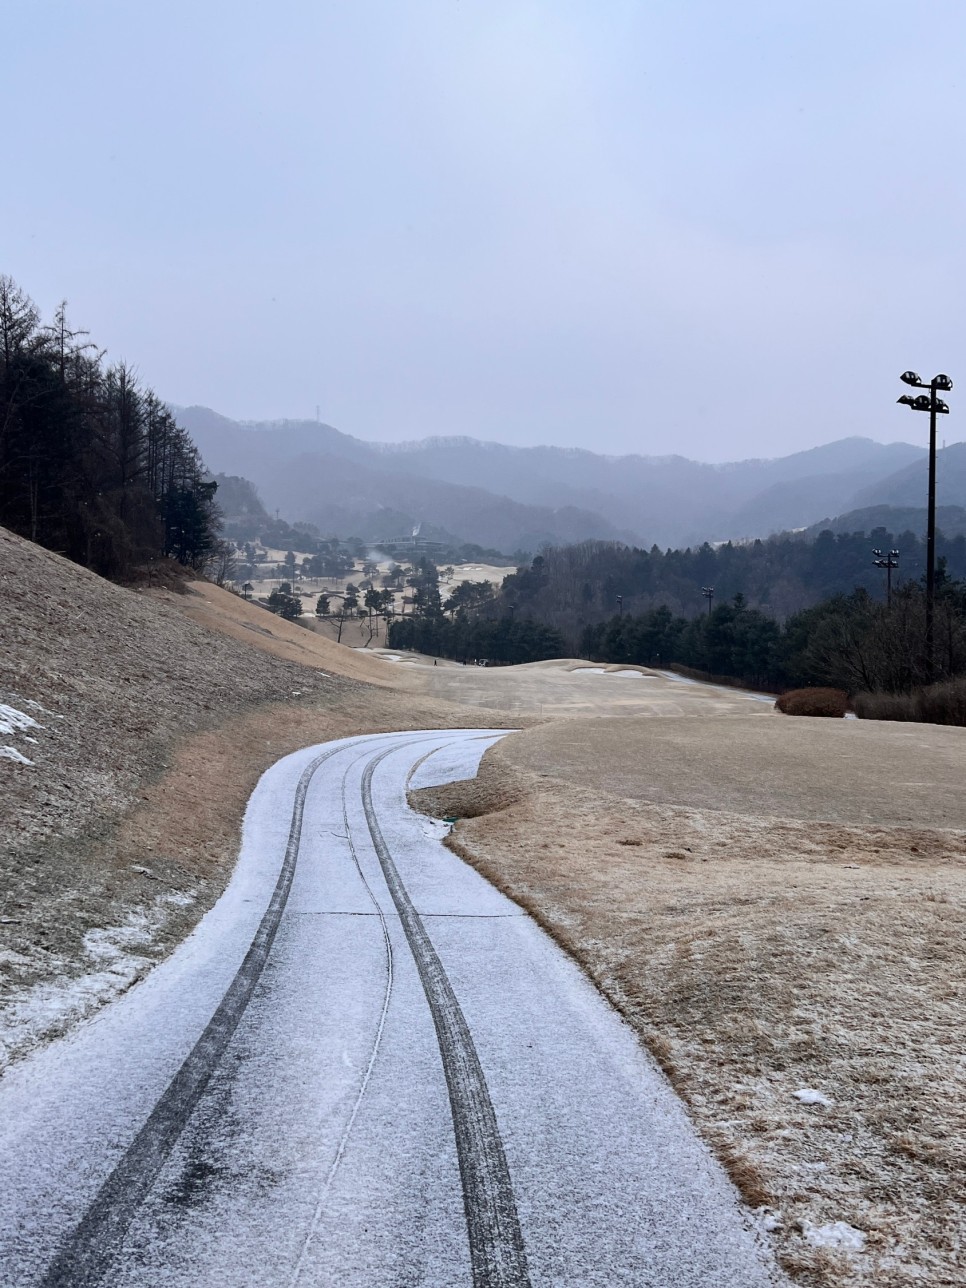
(518, 498)
(895, 521)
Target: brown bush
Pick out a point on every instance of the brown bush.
(938, 704)
(814, 702)
(886, 706)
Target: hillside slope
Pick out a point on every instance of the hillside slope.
(134, 725)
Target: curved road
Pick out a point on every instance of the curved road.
(366, 1067)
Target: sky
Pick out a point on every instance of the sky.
(676, 226)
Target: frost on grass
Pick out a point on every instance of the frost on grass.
(801, 1004)
(12, 723)
(120, 955)
(837, 1234)
(809, 1096)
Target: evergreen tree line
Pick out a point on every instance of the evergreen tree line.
(464, 639)
(853, 642)
(571, 587)
(455, 630)
(93, 465)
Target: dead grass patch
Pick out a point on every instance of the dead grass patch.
(814, 702)
(757, 958)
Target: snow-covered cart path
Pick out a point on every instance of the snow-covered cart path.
(365, 1067)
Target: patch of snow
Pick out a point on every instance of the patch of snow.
(11, 753)
(809, 1096)
(767, 1219)
(14, 721)
(837, 1234)
(36, 1011)
(434, 828)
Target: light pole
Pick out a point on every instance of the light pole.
(936, 407)
(888, 562)
(708, 593)
(620, 605)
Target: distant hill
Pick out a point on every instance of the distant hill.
(512, 498)
(907, 487)
(895, 520)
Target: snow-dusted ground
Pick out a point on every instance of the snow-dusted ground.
(341, 1135)
(16, 723)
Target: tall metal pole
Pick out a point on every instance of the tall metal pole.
(888, 562)
(931, 540)
(934, 406)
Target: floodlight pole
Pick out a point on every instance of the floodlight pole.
(935, 406)
(888, 562)
(620, 605)
(931, 540)
(708, 593)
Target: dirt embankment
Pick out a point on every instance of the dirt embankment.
(142, 721)
(765, 958)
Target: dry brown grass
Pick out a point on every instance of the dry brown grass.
(757, 957)
(160, 711)
(938, 704)
(814, 702)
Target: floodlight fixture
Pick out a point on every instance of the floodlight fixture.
(888, 562)
(932, 403)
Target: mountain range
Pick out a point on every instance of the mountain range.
(519, 498)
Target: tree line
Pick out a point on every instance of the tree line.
(852, 642)
(92, 464)
(456, 629)
(571, 587)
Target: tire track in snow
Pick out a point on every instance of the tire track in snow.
(497, 1255)
(376, 1042)
(85, 1258)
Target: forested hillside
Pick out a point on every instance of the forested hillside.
(519, 498)
(571, 587)
(553, 609)
(92, 464)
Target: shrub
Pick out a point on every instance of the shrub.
(943, 703)
(814, 702)
(886, 706)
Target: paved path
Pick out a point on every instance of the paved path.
(366, 1067)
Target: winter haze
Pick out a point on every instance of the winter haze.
(714, 230)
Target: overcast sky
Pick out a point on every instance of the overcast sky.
(677, 226)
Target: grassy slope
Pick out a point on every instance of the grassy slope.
(157, 713)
